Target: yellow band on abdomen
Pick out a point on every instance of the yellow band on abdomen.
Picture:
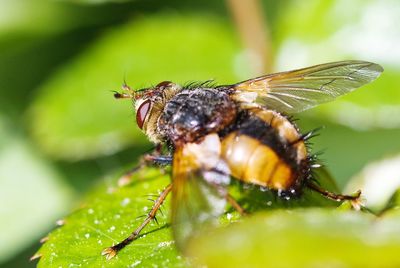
(254, 162)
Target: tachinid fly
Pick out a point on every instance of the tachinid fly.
(217, 133)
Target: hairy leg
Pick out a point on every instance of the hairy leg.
(112, 251)
(236, 205)
(354, 199)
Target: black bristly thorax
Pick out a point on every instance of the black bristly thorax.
(193, 113)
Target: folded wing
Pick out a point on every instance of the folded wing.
(299, 90)
(199, 189)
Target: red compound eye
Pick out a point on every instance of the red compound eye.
(142, 112)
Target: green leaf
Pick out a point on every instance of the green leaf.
(108, 216)
(75, 116)
(37, 19)
(302, 238)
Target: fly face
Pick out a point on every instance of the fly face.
(149, 104)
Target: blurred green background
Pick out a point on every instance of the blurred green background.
(61, 131)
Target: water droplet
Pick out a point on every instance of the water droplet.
(60, 222)
(87, 235)
(145, 208)
(125, 201)
(111, 229)
(165, 244)
(135, 263)
(263, 189)
(90, 211)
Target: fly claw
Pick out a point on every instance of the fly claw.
(109, 253)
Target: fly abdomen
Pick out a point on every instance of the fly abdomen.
(266, 149)
(253, 162)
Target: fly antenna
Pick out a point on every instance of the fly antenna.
(128, 92)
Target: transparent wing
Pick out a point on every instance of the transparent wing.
(299, 90)
(199, 188)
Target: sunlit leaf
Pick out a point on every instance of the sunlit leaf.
(108, 215)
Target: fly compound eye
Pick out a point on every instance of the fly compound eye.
(142, 112)
(164, 84)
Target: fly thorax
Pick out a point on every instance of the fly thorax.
(193, 113)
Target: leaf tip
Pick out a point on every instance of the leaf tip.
(36, 256)
(124, 180)
(60, 222)
(44, 240)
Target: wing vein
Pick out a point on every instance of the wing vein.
(298, 90)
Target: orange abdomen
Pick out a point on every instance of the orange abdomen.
(266, 150)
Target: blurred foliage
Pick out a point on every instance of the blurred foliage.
(68, 130)
(379, 192)
(60, 128)
(302, 238)
(347, 30)
(26, 213)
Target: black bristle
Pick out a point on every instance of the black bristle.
(200, 84)
(155, 219)
(141, 216)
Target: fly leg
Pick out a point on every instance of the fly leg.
(154, 158)
(235, 205)
(112, 251)
(354, 199)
